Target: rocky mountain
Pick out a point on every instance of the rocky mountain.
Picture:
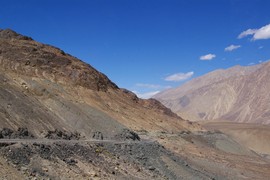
(62, 119)
(238, 94)
(43, 88)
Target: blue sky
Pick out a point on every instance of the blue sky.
(148, 45)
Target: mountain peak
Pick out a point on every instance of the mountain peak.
(35, 59)
(10, 34)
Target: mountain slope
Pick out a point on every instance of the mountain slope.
(44, 88)
(237, 94)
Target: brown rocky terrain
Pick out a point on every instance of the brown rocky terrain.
(253, 136)
(62, 119)
(43, 88)
(238, 94)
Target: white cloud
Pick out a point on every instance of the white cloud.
(179, 76)
(146, 95)
(260, 47)
(261, 33)
(246, 33)
(142, 90)
(232, 47)
(207, 57)
(149, 86)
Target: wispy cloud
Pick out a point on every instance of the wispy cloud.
(149, 86)
(179, 76)
(146, 95)
(207, 57)
(261, 33)
(260, 47)
(232, 47)
(247, 32)
(146, 91)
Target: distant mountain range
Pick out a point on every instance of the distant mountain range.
(239, 94)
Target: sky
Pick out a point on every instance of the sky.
(148, 46)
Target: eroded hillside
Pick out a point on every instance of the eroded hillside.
(44, 88)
